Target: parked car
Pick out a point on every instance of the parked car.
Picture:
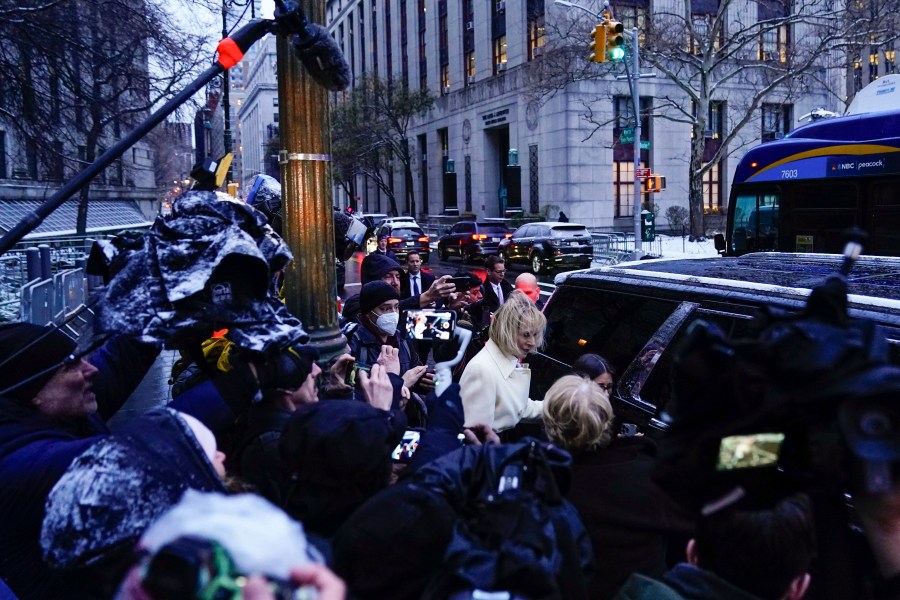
(407, 220)
(471, 240)
(634, 314)
(547, 245)
(403, 237)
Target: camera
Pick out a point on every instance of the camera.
(194, 567)
(429, 324)
(353, 373)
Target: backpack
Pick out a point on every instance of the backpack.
(514, 532)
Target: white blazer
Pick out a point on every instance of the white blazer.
(495, 390)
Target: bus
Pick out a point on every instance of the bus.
(802, 192)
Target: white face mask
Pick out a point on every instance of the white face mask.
(387, 323)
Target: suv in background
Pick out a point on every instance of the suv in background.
(634, 314)
(471, 240)
(404, 236)
(549, 244)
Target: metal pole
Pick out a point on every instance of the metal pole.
(305, 159)
(636, 102)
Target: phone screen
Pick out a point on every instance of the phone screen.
(430, 324)
(407, 446)
(749, 451)
(463, 284)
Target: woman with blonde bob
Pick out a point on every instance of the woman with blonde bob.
(611, 475)
(578, 415)
(494, 385)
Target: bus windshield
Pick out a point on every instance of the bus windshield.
(755, 222)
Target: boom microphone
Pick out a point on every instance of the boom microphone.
(322, 57)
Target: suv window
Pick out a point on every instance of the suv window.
(612, 324)
(523, 231)
(467, 227)
(403, 230)
(492, 228)
(569, 231)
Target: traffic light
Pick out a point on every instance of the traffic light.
(598, 44)
(233, 189)
(654, 183)
(615, 40)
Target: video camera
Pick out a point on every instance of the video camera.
(809, 404)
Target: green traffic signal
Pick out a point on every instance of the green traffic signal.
(616, 54)
(615, 40)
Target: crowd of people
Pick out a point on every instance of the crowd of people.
(278, 470)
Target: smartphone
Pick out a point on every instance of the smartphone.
(430, 324)
(407, 446)
(463, 284)
(749, 451)
(353, 373)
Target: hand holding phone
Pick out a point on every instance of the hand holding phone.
(463, 284)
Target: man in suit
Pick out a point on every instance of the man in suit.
(415, 280)
(495, 289)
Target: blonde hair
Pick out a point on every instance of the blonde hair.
(518, 313)
(577, 414)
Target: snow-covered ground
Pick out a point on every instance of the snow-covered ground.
(678, 247)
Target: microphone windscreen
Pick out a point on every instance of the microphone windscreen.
(322, 58)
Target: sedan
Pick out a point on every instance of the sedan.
(547, 245)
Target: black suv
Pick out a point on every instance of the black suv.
(404, 236)
(547, 245)
(471, 240)
(634, 314)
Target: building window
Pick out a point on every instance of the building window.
(423, 151)
(470, 67)
(389, 53)
(623, 186)
(535, 28)
(703, 30)
(361, 18)
(445, 80)
(3, 171)
(634, 15)
(55, 166)
(423, 56)
(775, 37)
(499, 53)
(889, 67)
(404, 45)
(374, 37)
(857, 75)
(776, 121)
(275, 101)
(468, 182)
(533, 181)
(31, 161)
(712, 189)
(873, 66)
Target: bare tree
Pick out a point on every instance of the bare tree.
(741, 53)
(81, 74)
(371, 130)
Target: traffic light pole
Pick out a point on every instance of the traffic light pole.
(636, 107)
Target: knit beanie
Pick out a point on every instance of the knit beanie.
(49, 347)
(374, 294)
(375, 266)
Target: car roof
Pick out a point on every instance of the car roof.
(554, 224)
(401, 219)
(779, 278)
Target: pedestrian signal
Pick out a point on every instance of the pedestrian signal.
(654, 183)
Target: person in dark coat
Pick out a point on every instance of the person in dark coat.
(741, 553)
(496, 279)
(256, 458)
(628, 517)
(114, 490)
(339, 455)
(53, 406)
(382, 248)
(414, 281)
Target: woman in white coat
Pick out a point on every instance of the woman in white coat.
(494, 385)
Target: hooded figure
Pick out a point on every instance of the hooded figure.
(108, 496)
(209, 266)
(339, 454)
